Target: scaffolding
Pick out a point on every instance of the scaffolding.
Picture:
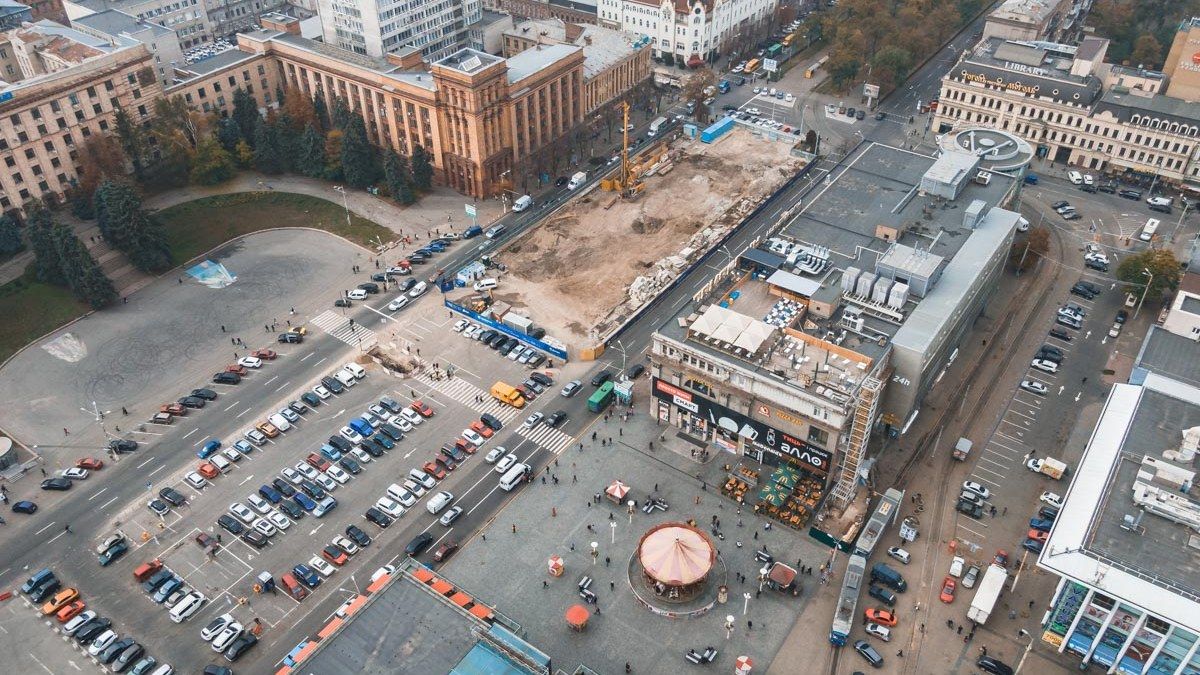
(856, 448)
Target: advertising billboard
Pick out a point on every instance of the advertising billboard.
(730, 425)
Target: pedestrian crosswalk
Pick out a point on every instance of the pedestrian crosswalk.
(340, 327)
(552, 439)
(469, 395)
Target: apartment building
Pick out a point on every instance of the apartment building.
(614, 62)
(1075, 109)
(1049, 20)
(688, 31)
(377, 27)
(47, 9)
(574, 11)
(230, 16)
(60, 87)
(13, 14)
(162, 42)
(188, 18)
(1182, 67)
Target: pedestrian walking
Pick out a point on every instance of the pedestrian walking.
(514, 528)
(43, 473)
(656, 487)
(1005, 512)
(67, 527)
(749, 625)
(544, 584)
(543, 479)
(758, 593)
(620, 432)
(960, 629)
(65, 433)
(233, 341)
(1031, 604)
(900, 653)
(124, 411)
(597, 610)
(574, 479)
(983, 651)
(612, 585)
(607, 560)
(950, 624)
(222, 329)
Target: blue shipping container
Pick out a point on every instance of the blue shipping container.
(715, 131)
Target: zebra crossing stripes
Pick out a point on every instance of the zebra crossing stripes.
(340, 328)
(467, 394)
(552, 439)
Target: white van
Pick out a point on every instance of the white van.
(486, 284)
(356, 369)
(1075, 177)
(523, 202)
(223, 465)
(279, 422)
(346, 377)
(186, 607)
(514, 477)
(494, 231)
(438, 502)
(164, 669)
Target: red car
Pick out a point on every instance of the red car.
(240, 370)
(209, 470)
(317, 462)
(466, 446)
(173, 408)
(1038, 535)
(422, 408)
(880, 616)
(444, 551)
(335, 555)
(528, 393)
(434, 469)
(446, 461)
(264, 354)
(89, 463)
(948, 585)
(482, 429)
(1001, 558)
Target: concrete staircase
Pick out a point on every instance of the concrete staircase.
(116, 266)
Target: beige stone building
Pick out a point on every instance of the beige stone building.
(1032, 20)
(1183, 62)
(60, 87)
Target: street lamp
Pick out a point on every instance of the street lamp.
(1144, 292)
(1020, 634)
(345, 205)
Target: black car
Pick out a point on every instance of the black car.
(536, 361)
(419, 543)
(994, 666)
(311, 399)
(128, 657)
(227, 378)
(542, 379)
(635, 371)
(172, 496)
(372, 448)
(350, 466)
(406, 284)
(57, 484)
(109, 653)
(1122, 316)
(391, 431)
(1050, 353)
(369, 287)
(241, 645)
(24, 506)
(491, 421)
(333, 385)
(214, 669)
(159, 507)
(88, 631)
(358, 535)
(1087, 187)
(40, 593)
(1107, 187)
(1048, 512)
(122, 445)
(340, 443)
(507, 346)
(562, 180)
(1130, 194)
(231, 525)
(312, 489)
(969, 508)
(192, 402)
(292, 509)
(378, 517)
(285, 488)
(556, 418)
(343, 302)
(254, 538)
(382, 441)
(206, 394)
(601, 377)
(297, 407)
(458, 455)
(160, 577)
(291, 338)
(1060, 334)
(487, 335)
(379, 276)
(1099, 265)
(1082, 291)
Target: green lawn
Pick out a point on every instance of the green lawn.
(198, 226)
(30, 310)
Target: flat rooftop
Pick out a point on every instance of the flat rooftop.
(1041, 68)
(1154, 563)
(1166, 353)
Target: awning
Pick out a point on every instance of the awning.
(768, 260)
(794, 283)
(617, 490)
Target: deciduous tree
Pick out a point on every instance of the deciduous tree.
(211, 164)
(1164, 271)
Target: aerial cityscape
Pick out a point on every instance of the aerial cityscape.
(541, 337)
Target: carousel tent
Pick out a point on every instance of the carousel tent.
(617, 490)
(676, 555)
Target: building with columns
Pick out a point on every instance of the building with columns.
(688, 31)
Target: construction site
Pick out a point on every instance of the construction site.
(599, 257)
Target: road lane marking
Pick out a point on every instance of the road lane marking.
(97, 494)
(231, 406)
(191, 432)
(160, 468)
(48, 526)
(57, 536)
(305, 357)
(148, 460)
(283, 385)
(244, 411)
(271, 380)
(320, 362)
(247, 478)
(109, 502)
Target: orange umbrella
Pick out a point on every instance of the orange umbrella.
(577, 617)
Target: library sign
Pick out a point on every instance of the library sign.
(1011, 85)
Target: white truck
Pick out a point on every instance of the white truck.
(1047, 466)
(987, 594)
(962, 449)
(656, 125)
(578, 179)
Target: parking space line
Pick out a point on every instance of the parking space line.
(994, 442)
(977, 534)
(984, 480)
(1005, 421)
(247, 478)
(993, 463)
(1021, 414)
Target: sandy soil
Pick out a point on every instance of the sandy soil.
(571, 271)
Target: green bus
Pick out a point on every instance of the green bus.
(774, 50)
(602, 398)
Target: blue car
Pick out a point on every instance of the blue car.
(243, 447)
(304, 501)
(1041, 524)
(436, 246)
(270, 494)
(473, 231)
(211, 446)
(361, 426)
(330, 452)
(307, 575)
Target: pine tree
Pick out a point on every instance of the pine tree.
(341, 113)
(267, 157)
(130, 229)
(397, 178)
(322, 113)
(211, 164)
(422, 168)
(10, 235)
(245, 114)
(133, 141)
(98, 290)
(228, 133)
(287, 141)
(310, 153)
(45, 254)
(360, 161)
(70, 268)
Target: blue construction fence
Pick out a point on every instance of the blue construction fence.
(507, 330)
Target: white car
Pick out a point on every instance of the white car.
(390, 507)
(322, 566)
(495, 454)
(227, 635)
(250, 362)
(382, 571)
(506, 463)
(380, 412)
(75, 473)
(401, 271)
(470, 330)
(265, 527)
(398, 303)
(789, 98)
(321, 392)
(335, 472)
(1113, 332)
(428, 482)
(532, 420)
(258, 504)
(414, 487)
(102, 642)
(280, 422)
(1045, 366)
(243, 513)
(402, 423)
(291, 475)
(326, 482)
(449, 517)
(411, 416)
(350, 435)
(875, 630)
(972, 486)
(279, 520)
(345, 544)
(255, 436)
(460, 325)
(232, 454)
(360, 455)
(473, 437)
(357, 294)
(957, 565)
(1051, 498)
(306, 470)
(418, 290)
(1034, 387)
(195, 480)
(215, 627)
(406, 498)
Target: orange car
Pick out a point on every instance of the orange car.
(334, 555)
(482, 429)
(268, 429)
(1038, 535)
(264, 354)
(947, 594)
(466, 446)
(175, 409)
(422, 408)
(61, 599)
(69, 612)
(208, 470)
(434, 469)
(240, 370)
(880, 616)
(89, 463)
